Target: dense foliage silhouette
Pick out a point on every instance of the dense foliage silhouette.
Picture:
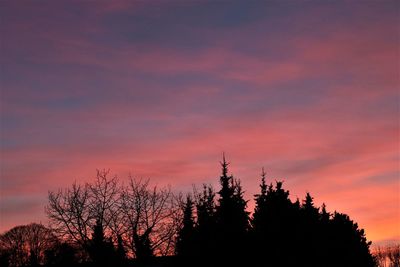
(107, 224)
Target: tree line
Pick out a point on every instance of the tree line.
(105, 223)
(387, 256)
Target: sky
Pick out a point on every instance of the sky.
(309, 90)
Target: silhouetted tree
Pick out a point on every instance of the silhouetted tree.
(259, 222)
(323, 244)
(232, 217)
(75, 212)
(150, 222)
(273, 224)
(101, 249)
(185, 242)
(380, 256)
(350, 246)
(70, 215)
(387, 256)
(121, 252)
(324, 215)
(106, 223)
(26, 244)
(310, 250)
(205, 208)
(393, 253)
(205, 246)
(260, 210)
(309, 209)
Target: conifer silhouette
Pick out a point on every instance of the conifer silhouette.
(259, 215)
(350, 246)
(205, 242)
(185, 243)
(101, 249)
(213, 233)
(232, 218)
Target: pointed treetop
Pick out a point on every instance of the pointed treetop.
(323, 208)
(224, 162)
(308, 202)
(263, 184)
(224, 165)
(263, 173)
(309, 199)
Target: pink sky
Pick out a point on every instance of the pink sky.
(308, 90)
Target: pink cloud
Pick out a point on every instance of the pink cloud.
(330, 145)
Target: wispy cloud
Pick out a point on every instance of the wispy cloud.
(160, 90)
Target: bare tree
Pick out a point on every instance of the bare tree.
(69, 213)
(380, 256)
(394, 255)
(27, 244)
(104, 196)
(151, 215)
(75, 212)
(143, 218)
(387, 256)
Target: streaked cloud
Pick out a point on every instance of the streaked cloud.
(159, 90)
